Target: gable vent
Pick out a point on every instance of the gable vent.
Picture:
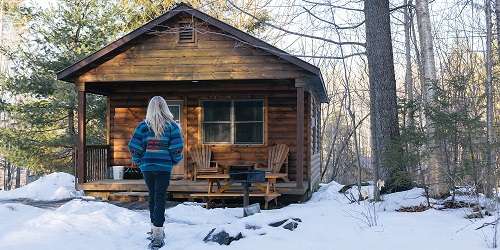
(186, 32)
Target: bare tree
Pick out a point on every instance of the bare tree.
(490, 170)
(433, 166)
(383, 99)
(497, 14)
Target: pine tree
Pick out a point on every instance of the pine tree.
(43, 134)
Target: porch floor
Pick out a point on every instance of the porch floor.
(177, 188)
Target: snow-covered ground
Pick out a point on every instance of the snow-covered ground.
(55, 186)
(328, 222)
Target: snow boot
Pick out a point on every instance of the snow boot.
(158, 240)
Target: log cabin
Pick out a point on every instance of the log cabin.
(227, 89)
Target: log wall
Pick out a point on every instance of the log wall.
(127, 109)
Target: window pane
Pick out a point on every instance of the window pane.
(175, 110)
(217, 132)
(216, 111)
(248, 111)
(249, 133)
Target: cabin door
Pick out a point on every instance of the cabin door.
(176, 109)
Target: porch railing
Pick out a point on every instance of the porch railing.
(98, 161)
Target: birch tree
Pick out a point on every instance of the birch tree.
(433, 167)
(497, 15)
(490, 154)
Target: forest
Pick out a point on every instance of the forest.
(412, 84)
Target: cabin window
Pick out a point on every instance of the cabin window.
(233, 122)
(315, 127)
(186, 32)
(175, 109)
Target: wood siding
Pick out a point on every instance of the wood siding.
(315, 171)
(214, 56)
(129, 108)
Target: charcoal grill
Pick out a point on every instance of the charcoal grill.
(246, 176)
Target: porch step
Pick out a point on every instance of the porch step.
(128, 196)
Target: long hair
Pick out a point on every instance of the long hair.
(158, 115)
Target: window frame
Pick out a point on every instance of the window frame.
(232, 122)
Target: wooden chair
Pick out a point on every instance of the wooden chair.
(202, 159)
(276, 159)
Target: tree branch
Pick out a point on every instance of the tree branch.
(332, 23)
(334, 6)
(293, 32)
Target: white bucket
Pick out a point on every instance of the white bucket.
(118, 172)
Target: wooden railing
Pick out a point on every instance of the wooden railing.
(98, 161)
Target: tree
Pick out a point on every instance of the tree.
(386, 151)
(497, 15)
(139, 12)
(433, 166)
(43, 133)
(490, 153)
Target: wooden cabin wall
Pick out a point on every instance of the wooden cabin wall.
(214, 56)
(128, 108)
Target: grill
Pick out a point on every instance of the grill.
(246, 176)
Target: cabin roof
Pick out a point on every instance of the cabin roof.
(70, 73)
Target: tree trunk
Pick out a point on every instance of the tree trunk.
(18, 177)
(383, 100)
(410, 119)
(497, 14)
(8, 182)
(490, 170)
(408, 64)
(433, 166)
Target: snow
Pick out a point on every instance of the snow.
(329, 221)
(55, 186)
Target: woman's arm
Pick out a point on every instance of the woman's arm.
(136, 145)
(176, 144)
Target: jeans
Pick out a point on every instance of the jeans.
(157, 182)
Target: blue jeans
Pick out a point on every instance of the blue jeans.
(157, 182)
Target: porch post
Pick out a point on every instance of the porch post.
(81, 157)
(299, 84)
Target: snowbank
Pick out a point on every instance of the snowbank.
(329, 221)
(76, 225)
(55, 186)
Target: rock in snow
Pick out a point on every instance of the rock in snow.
(55, 186)
(291, 225)
(222, 237)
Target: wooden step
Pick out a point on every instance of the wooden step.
(128, 196)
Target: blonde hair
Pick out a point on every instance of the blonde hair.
(158, 115)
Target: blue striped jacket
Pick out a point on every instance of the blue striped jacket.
(156, 154)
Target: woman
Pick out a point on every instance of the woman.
(156, 147)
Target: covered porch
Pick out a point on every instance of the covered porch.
(281, 121)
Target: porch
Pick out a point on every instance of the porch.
(178, 189)
(97, 181)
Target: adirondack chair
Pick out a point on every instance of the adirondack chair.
(202, 159)
(276, 159)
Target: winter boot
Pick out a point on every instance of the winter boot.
(158, 238)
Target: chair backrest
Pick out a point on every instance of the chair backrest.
(277, 156)
(201, 155)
